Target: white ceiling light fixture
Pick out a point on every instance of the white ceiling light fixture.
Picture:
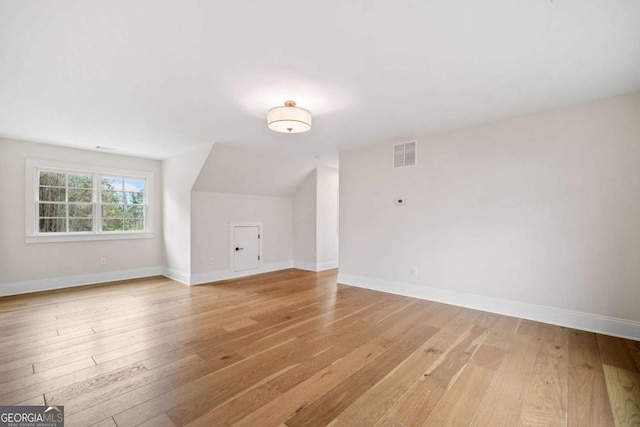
(289, 118)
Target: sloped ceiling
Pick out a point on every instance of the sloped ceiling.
(242, 171)
(157, 78)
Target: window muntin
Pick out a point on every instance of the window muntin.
(123, 204)
(65, 202)
(79, 216)
(73, 203)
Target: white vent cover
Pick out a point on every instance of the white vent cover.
(404, 154)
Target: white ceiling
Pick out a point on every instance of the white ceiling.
(156, 77)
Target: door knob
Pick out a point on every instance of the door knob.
(239, 249)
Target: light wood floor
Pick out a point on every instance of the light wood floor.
(292, 347)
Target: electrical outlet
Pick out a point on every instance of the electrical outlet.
(103, 261)
(414, 271)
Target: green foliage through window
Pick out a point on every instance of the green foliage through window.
(66, 203)
(122, 204)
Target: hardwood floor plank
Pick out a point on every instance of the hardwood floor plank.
(375, 403)
(446, 357)
(338, 356)
(33, 401)
(238, 324)
(65, 394)
(98, 398)
(332, 403)
(73, 377)
(460, 403)
(502, 332)
(294, 348)
(35, 379)
(487, 356)
(546, 400)
(23, 371)
(634, 351)
(196, 397)
(160, 421)
(131, 398)
(334, 423)
(287, 403)
(623, 388)
(105, 423)
(588, 401)
(615, 352)
(503, 401)
(445, 316)
(171, 355)
(11, 344)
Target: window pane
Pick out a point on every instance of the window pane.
(113, 211)
(112, 183)
(112, 224)
(134, 198)
(50, 210)
(67, 202)
(80, 181)
(134, 224)
(52, 194)
(80, 195)
(135, 211)
(80, 211)
(135, 185)
(112, 197)
(53, 179)
(53, 225)
(83, 224)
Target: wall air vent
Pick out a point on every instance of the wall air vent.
(405, 154)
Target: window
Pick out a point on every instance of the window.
(71, 203)
(65, 202)
(123, 207)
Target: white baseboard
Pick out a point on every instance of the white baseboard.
(315, 266)
(326, 265)
(304, 265)
(573, 319)
(29, 286)
(177, 275)
(216, 276)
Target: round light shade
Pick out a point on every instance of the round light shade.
(289, 119)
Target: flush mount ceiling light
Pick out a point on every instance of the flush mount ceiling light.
(289, 119)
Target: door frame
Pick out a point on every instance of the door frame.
(232, 241)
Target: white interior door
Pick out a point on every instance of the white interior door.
(246, 250)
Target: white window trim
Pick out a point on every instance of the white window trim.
(31, 201)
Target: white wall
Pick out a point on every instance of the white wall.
(315, 217)
(540, 213)
(191, 240)
(238, 170)
(235, 185)
(327, 217)
(305, 223)
(179, 174)
(211, 215)
(26, 266)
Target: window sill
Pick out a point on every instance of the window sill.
(87, 237)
